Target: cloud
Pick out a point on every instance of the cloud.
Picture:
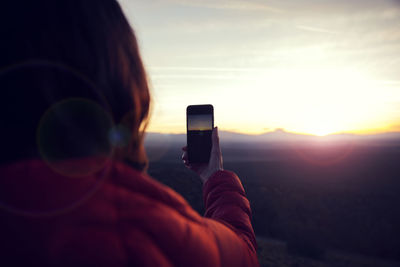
(229, 4)
(211, 69)
(327, 8)
(305, 7)
(363, 34)
(314, 29)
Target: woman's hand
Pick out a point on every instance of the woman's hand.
(205, 170)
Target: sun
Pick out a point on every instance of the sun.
(320, 101)
(321, 130)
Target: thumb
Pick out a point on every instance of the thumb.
(215, 149)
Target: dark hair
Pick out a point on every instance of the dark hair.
(53, 50)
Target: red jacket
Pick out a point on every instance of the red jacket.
(119, 217)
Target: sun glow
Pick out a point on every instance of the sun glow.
(321, 130)
(320, 102)
(310, 101)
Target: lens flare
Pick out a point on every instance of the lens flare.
(119, 136)
(325, 154)
(75, 128)
(72, 138)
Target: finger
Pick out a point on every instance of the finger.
(185, 160)
(184, 148)
(187, 165)
(215, 150)
(185, 156)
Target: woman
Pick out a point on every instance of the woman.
(73, 187)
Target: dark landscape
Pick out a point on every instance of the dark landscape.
(316, 201)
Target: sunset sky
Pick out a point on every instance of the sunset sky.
(307, 66)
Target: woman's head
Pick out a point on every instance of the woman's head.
(52, 51)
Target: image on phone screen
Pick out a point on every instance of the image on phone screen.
(200, 122)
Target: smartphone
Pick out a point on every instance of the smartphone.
(199, 124)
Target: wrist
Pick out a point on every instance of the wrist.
(208, 174)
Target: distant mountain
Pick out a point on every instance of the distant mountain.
(280, 135)
(160, 138)
(277, 136)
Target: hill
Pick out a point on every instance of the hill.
(316, 197)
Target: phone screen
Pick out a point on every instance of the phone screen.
(200, 122)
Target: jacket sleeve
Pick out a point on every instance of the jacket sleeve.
(226, 204)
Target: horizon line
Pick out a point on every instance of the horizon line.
(288, 132)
